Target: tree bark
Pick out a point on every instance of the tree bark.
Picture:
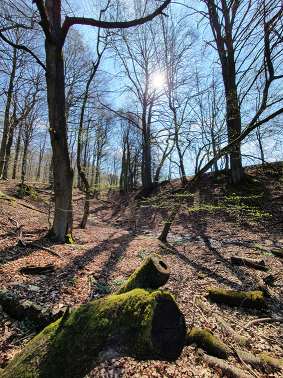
(17, 151)
(63, 174)
(7, 112)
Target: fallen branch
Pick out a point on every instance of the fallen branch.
(262, 320)
(251, 263)
(33, 270)
(227, 369)
(5, 197)
(260, 361)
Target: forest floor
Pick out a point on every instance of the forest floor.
(214, 224)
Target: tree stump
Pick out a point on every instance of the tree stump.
(138, 323)
(152, 274)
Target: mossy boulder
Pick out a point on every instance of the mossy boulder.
(211, 344)
(138, 323)
(152, 274)
(250, 299)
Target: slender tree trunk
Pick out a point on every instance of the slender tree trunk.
(81, 172)
(233, 119)
(17, 151)
(40, 158)
(7, 112)
(8, 152)
(259, 139)
(24, 161)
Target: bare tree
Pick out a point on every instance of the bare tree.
(55, 33)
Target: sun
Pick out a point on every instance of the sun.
(158, 80)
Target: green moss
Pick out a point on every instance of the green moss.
(69, 239)
(24, 190)
(252, 299)
(150, 275)
(271, 361)
(72, 348)
(204, 339)
(277, 252)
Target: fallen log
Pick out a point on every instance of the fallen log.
(227, 369)
(26, 309)
(251, 263)
(152, 274)
(34, 270)
(249, 299)
(260, 361)
(137, 323)
(211, 344)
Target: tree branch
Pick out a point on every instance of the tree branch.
(70, 21)
(44, 22)
(22, 47)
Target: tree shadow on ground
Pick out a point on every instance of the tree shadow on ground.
(199, 228)
(17, 251)
(169, 249)
(115, 248)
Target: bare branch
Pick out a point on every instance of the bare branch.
(22, 47)
(70, 21)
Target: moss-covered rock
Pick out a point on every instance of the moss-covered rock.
(152, 274)
(211, 344)
(250, 299)
(137, 323)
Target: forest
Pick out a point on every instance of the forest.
(141, 188)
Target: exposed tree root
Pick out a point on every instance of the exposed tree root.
(227, 369)
(211, 344)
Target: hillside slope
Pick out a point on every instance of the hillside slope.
(218, 221)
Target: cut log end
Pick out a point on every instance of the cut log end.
(152, 274)
(168, 327)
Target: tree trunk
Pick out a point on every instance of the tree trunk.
(24, 161)
(17, 151)
(40, 158)
(146, 163)
(259, 139)
(8, 152)
(138, 323)
(62, 171)
(234, 130)
(7, 112)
